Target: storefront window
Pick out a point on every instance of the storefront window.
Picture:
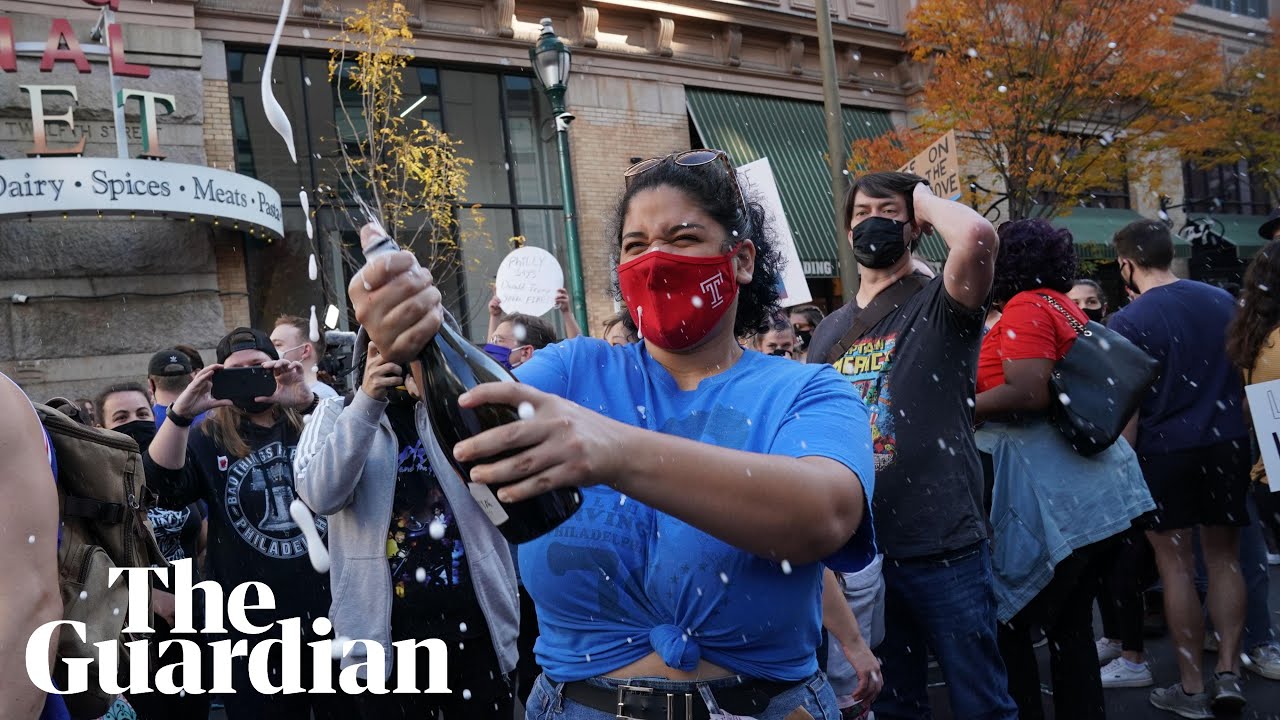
(502, 121)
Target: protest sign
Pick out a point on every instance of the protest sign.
(1264, 404)
(758, 176)
(940, 165)
(528, 279)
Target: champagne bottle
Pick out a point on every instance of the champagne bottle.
(452, 366)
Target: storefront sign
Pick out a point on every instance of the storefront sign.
(111, 186)
(940, 165)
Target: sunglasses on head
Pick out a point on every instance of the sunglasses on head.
(689, 159)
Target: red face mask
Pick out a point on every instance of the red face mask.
(675, 300)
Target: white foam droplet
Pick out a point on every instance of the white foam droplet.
(466, 694)
(307, 79)
(786, 567)
(275, 114)
(525, 410)
(1003, 88)
(306, 33)
(697, 301)
(312, 271)
(462, 627)
(306, 214)
(436, 529)
(520, 331)
(115, 611)
(315, 326)
(84, 594)
(31, 539)
(420, 575)
(316, 550)
(338, 643)
(724, 578)
(1064, 398)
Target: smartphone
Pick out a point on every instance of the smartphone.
(244, 383)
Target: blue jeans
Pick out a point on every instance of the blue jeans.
(948, 605)
(547, 703)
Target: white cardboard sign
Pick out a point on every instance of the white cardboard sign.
(528, 279)
(1264, 404)
(759, 176)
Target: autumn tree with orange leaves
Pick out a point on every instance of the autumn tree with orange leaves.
(1243, 120)
(1057, 97)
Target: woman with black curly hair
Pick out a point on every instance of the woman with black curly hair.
(1253, 345)
(1054, 512)
(689, 582)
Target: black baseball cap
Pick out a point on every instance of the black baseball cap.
(243, 338)
(1268, 229)
(171, 362)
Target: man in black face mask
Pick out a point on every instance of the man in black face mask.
(909, 344)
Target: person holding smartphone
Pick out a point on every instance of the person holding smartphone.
(240, 461)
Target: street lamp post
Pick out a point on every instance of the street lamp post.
(550, 60)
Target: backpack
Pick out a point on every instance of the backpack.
(103, 525)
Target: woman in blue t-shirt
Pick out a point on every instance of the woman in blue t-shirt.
(716, 480)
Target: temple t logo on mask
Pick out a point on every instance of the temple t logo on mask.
(664, 294)
(712, 285)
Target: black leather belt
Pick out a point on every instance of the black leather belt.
(633, 702)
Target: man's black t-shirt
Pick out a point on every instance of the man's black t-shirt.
(430, 579)
(915, 371)
(252, 536)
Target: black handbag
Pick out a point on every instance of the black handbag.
(1098, 386)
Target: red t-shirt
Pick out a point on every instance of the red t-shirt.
(1029, 329)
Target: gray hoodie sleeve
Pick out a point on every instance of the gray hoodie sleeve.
(333, 451)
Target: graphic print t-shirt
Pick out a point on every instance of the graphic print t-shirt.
(252, 536)
(177, 531)
(619, 579)
(915, 372)
(439, 603)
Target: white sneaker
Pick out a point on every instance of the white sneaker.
(1108, 650)
(1264, 660)
(1119, 673)
(1273, 559)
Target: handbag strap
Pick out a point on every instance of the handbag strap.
(889, 299)
(1071, 319)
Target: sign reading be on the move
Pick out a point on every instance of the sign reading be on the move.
(940, 165)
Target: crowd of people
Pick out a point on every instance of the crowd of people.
(783, 514)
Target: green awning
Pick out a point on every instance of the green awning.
(793, 135)
(932, 248)
(1093, 228)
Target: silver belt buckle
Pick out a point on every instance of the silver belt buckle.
(624, 690)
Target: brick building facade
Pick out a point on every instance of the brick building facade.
(632, 65)
(639, 70)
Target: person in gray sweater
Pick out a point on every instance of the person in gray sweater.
(413, 555)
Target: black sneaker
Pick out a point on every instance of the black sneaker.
(1228, 693)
